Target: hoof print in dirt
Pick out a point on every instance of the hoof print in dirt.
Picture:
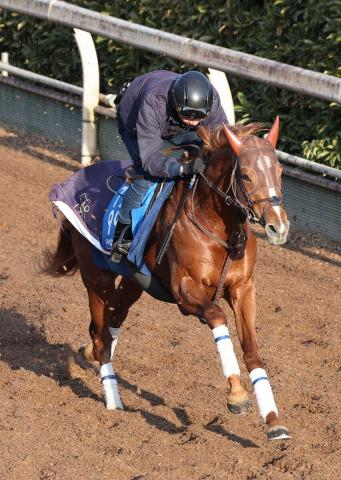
(4, 276)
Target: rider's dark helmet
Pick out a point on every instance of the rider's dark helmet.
(192, 95)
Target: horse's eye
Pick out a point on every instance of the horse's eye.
(246, 178)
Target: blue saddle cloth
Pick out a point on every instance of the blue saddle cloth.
(142, 225)
(86, 200)
(110, 217)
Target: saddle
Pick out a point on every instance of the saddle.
(123, 234)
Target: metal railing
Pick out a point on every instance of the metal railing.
(255, 68)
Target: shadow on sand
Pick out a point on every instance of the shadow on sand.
(23, 346)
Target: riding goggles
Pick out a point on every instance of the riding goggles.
(188, 112)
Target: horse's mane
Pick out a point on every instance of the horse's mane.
(216, 139)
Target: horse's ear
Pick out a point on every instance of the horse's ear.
(272, 136)
(205, 135)
(234, 141)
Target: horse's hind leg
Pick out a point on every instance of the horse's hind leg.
(109, 308)
(242, 300)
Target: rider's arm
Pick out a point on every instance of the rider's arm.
(150, 144)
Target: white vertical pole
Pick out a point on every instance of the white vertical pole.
(90, 94)
(220, 83)
(4, 59)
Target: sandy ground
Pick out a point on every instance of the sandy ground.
(176, 426)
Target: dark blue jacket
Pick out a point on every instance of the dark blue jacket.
(145, 116)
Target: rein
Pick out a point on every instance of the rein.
(199, 225)
(230, 201)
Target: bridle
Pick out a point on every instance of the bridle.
(246, 210)
(273, 200)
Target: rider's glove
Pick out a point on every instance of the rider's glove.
(197, 165)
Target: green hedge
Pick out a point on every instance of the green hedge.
(305, 33)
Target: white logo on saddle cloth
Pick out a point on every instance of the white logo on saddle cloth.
(84, 206)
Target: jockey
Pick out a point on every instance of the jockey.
(157, 106)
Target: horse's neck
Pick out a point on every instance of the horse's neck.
(220, 172)
(220, 169)
(210, 205)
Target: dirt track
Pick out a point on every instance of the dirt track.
(53, 424)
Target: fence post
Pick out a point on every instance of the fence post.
(221, 84)
(90, 68)
(4, 59)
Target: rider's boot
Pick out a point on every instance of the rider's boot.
(121, 242)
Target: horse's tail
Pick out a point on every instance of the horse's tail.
(61, 261)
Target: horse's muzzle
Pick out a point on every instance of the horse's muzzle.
(277, 233)
(276, 224)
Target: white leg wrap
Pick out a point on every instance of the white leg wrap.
(115, 332)
(263, 391)
(228, 358)
(109, 382)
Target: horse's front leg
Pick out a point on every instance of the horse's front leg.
(193, 300)
(242, 301)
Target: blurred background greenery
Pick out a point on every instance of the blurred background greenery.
(305, 33)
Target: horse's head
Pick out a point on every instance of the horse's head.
(257, 176)
(259, 180)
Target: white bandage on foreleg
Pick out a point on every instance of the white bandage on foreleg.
(228, 358)
(110, 387)
(115, 332)
(263, 391)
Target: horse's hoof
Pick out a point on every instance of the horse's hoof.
(115, 407)
(86, 350)
(240, 408)
(278, 433)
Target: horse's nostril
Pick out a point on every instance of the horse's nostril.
(272, 228)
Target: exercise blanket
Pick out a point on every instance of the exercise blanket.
(90, 200)
(84, 197)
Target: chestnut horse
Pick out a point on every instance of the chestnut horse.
(241, 184)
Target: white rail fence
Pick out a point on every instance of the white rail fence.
(249, 66)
